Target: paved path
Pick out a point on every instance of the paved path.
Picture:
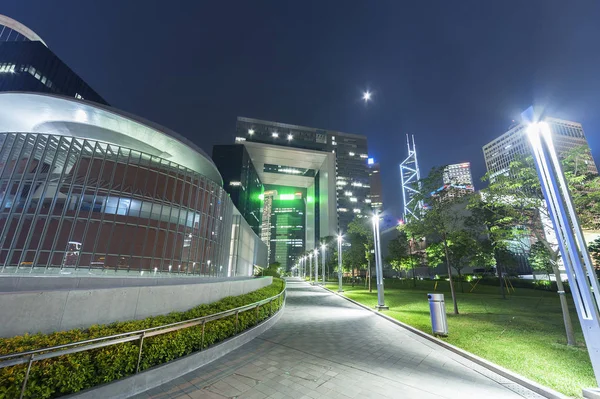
(326, 347)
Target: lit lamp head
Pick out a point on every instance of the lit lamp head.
(323, 246)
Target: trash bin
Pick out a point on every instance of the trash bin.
(437, 308)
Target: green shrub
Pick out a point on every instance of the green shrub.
(269, 272)
(67, 374)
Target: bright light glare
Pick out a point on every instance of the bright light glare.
(367, 96)
(290, 137)
(275, 134)
(250, 132)
(323, 246)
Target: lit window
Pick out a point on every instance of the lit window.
(240, 139)
(364, 156)
(77, 96)
(348, 193)
(235, 183)
(351, 153)
(353, 199)
(342, 210)
(274, 134)
(356, 210)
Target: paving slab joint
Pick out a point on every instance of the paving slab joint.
(514, 377)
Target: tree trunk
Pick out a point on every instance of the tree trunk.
(369, 264)
(500, 277)
(352, 277)
(412, 262)
(563, 305)
(460, 279)
(450, 276)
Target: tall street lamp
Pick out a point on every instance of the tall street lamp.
(573, 249)
(323, 246)
(339, 242)
(316, 266)
(378, 263)
(310, 267)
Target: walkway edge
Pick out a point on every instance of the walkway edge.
(514, 377)
(156, 376)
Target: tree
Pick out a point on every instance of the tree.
(540, 259)
(463, 250)
(360, 235)
(594, 250)
(584, 186)
(397, 252)
(513, 204)
(441, 218)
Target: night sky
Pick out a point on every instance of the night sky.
(453, 73)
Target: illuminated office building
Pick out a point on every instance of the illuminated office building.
(376, 194)
(500, 152)
(351, 174)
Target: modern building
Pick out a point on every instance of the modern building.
(241, 181)
(293, 188)
(457, 180)
(350, 150)
(376, 194)
(500, 152)
(28, 65)
(91, 189)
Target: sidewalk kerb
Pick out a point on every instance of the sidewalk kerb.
(514, 377)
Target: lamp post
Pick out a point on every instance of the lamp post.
(323, 246)
(572, 246)
(303, 267)
(339, 241)
(378, 265)
(310, 267)
(316, 266)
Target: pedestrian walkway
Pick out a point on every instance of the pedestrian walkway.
(326, 347)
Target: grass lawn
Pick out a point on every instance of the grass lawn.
(524, 333)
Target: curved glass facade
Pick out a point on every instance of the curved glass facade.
(73, 203)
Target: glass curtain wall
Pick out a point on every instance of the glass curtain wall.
(72, 203)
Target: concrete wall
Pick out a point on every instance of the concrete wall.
(60, 310)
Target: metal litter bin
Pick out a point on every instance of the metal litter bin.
(437, 308)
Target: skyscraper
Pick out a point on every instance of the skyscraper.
(458, 174)
(457, 180)
(27, 64)
(315, 181)
(351, 154)
(500, 152)
(375, 197)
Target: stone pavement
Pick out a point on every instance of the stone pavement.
(326, 347)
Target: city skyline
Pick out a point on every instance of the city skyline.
(471, 101)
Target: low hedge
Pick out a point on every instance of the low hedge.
(51, 378)
(544, 285)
